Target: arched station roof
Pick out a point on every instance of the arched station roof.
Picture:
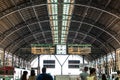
(26, 22)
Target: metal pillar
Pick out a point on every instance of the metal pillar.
(12, 60)
(83, 59)
(106, 65)
(4, 57)
(38, 70)
(115, 61)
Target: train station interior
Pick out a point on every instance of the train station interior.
(62, 35)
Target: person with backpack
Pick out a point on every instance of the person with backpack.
(92, 75)
(32, 75)
(84, 74)
(44, 75)
(104, 77)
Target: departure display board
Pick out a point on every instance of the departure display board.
(81, 49)
(77, 49)
(42, 49)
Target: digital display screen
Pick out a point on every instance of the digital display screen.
(43, 50)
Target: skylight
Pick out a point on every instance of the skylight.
(60, 29)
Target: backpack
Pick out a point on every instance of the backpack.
(90, 77)
(46, 77)
(32, 78)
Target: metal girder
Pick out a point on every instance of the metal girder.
(71, 21)
(74, 4)
(23, 39)
(117, 16)
(17, 50)
(18, 43)
(19, 9)
(24, 27)
(43, 39)
(66, 3)
(101, 30)
(81, 22)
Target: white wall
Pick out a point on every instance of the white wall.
(18, 73)
(57, 69)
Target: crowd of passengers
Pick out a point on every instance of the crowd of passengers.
(87, 74)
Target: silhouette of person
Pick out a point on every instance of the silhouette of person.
(44, 75)
(104, 77)
(32, 75)
(118, 75)
(24, 76)
(84, 74)
(92, 75)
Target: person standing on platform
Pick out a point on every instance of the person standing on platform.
(24, 76)
(104, 77)
(32, 75)
(118, 75)
(92, 75)
(84, 74)
(44, 75)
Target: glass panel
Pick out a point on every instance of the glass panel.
(53, 12)
(56, 32)
(55, 28)
(53, 0)
(67, 12)
(54, 17)
(56, 36)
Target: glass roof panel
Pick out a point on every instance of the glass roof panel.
(53, 8)
(67, 13)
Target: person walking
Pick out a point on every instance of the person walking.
(104, 77)
(32, 75)
(118, 75)
(92, 75)
(44, 75)
(24, 76)
(84, 74)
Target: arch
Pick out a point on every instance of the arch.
(71, 21)
(73, 4)
(32, 6)
(69, 38)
